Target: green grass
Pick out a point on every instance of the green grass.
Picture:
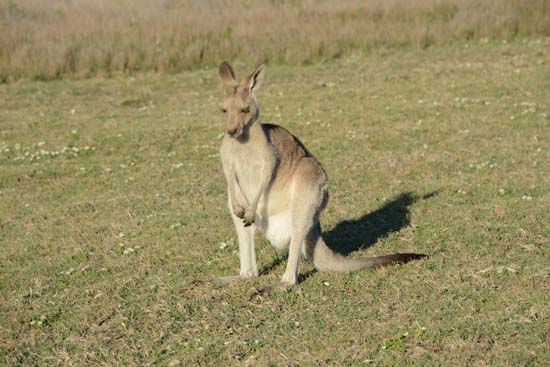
(443, 151)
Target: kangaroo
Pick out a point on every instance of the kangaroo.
(276, 185)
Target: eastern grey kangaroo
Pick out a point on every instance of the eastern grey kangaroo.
(276, 185)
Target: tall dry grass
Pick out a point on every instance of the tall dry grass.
(51, 39)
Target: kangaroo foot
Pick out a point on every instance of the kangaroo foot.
(275, 288)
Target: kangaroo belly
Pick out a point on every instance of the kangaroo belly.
(276, 228)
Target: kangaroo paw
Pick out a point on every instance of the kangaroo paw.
(238, 211)
(249, 216)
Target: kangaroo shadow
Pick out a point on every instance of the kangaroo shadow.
(362, 233)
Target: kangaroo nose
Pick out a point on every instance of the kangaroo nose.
(232, 131)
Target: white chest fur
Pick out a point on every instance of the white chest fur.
(248, 174)
(249, 162)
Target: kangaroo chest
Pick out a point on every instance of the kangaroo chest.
(248, 174)
(247, 161)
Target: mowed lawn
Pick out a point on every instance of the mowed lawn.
(113, 216)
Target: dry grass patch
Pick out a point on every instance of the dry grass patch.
(49, 40)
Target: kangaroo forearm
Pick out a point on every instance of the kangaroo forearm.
(263, 187)
(237, 197)
(258, 196)
(232, 194)
(232, 189)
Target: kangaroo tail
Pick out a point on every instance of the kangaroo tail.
(324, 259)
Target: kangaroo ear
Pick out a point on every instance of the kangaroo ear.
(254, 80)
(226, 72)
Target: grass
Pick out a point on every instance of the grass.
(81, 38)
(114, 212)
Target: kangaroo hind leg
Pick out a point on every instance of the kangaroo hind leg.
(308, 199)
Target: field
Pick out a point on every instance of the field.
(55, 39)
(113, 215)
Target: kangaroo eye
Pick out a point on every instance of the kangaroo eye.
(245, 110)
(223, 110)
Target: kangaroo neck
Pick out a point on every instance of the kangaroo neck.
(253, 134)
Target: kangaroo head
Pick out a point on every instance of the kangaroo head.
(239, 103)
